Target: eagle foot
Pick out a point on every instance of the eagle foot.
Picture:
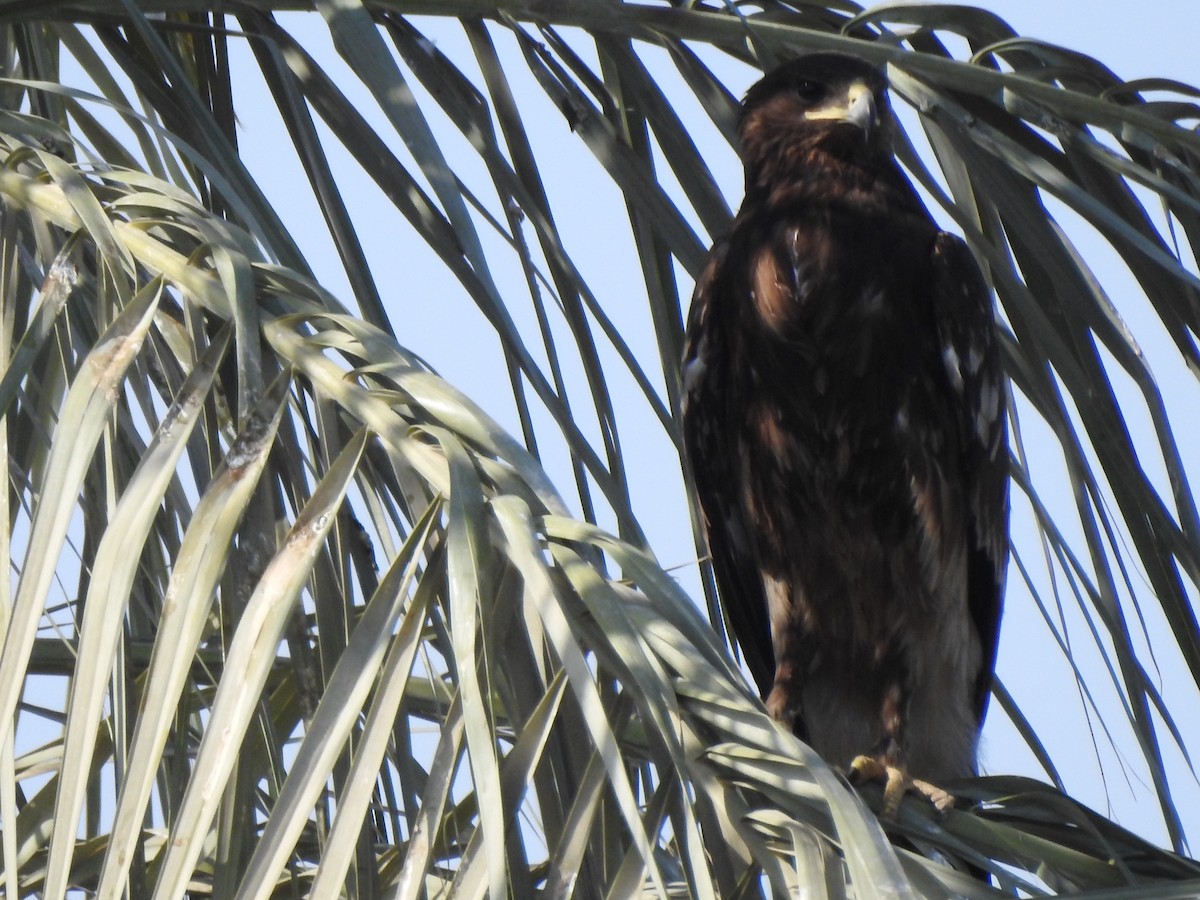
(896, 783)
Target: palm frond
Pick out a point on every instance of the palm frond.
(358, 642)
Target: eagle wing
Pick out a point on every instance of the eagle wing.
(713, 455)
(966, 328)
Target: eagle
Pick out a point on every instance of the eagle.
(844, 422)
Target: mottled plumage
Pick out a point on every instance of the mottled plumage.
(844, 422)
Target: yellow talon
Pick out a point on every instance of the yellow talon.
(896, 782)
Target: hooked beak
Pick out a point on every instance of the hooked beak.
(861, 107)
(858, 108)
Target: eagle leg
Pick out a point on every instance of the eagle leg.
(781, 701)
(886, 762)
(896, 783)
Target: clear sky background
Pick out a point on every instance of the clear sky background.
(435, 320)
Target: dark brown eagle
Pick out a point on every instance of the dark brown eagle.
(844, 419)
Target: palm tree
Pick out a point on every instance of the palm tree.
(292, 614)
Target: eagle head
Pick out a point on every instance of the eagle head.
(825, 104)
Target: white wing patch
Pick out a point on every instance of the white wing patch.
(989, 411)
(953, 367)
(974, 358)
(694, 369)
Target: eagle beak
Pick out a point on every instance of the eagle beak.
(858, 108)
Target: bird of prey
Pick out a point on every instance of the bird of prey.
(844, 421)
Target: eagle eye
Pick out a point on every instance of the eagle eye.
(809, 91)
